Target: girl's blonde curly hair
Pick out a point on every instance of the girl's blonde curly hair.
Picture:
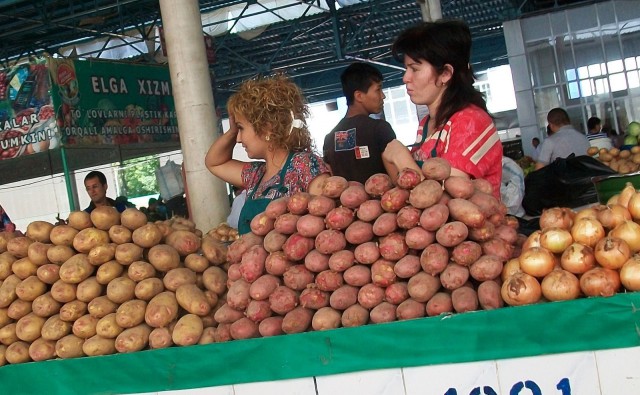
(267, 103)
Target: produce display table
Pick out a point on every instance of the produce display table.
(546, 328)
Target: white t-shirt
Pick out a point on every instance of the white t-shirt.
(236, 207)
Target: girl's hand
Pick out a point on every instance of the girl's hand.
(394, 150)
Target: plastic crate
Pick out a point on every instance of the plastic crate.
(607, 186)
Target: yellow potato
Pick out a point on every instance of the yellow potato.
(131, 313)
(148, 288)
(102, 254)
(17, 352)
(42, 349)
(76, 269)
(73, 310)
(85, 326)
(108, 327)
(29, 327)
(69, 346)
(55, 328)
(121, 289)
(133, 339)
(188, 330)
(101, 306)
(89, 289)
(108, 271)
(98, 345)
(45, 305)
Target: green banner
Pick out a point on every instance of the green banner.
(100, 102)
(27, 124)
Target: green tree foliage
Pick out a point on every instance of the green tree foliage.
(138, 178)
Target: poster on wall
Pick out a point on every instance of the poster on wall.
(27, 122)
(100, 102)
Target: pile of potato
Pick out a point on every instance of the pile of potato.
(224, 233)
(107, 283)
(370, 253)
(623, 161)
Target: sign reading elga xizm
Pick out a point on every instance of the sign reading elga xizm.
(101, 102)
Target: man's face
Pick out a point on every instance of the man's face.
(96, 191)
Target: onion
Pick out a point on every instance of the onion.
(555, 240)
(613, 199)
(512, 222)
(613, 215)
(556, 217)
(626, 193)
(612, 252)
(511, 267)
(577, 259)
(600, 281)
(589, 212)
(587, 231)
(537, 261)
(628, 231)
(560, 285)
(630, 274)
(634, 206)
(533, 240)
(521, 289)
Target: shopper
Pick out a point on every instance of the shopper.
(535, 142)
(353, 149)
(5, 222)
(458, 128)
(267, 116)
(95, 183)
(563, 141)
(595, 135)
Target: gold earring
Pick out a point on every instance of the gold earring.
(267, 138)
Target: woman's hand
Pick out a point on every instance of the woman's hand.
(397, 157)
(219, 159)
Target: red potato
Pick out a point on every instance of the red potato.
(326, 318)
(440, 303)
(385, 224)
(425, 194)
(314, 298)
(408, 217)
(434, 259)
(341, 260)
(418, 239)
(370, 295)
(297, 277)
(276, 207)
(394, 199)
(233, 272)
(261, 224)
(297, 320)
(297, 246)
(238, 295)
(483, 233)
(489, 295)
(369, 210)
(355, 315)
(252, 263)
(482, 185)
(276, 263)
(396, 293)
(258, 310)
(378, 184)
(283, 299)
(353, 196)
(384, 312)
(329, 280)
(316, 261)
(339, 218)
(466, 253)
(222, 333)
(410, 309)
(343, 297)
(367, 253)
(320, 205)
(488, 204)
(452, 233)
(436, 168)
(334, 186)
(263, 287)
(459, 187)
(464, 299)
(499, 248)
(487, 267)
(359, 232)
(382, 273)
(407, 266)
(271, 326)
(227, 315)
(393, 246)
(274, 241)
(357, 275)
(310, 225)
(454, 276)
(329, 241)
(423, 286)
(466, 212)
(507, 233)
(298, 203)
(433, 217)
(244, 328)
(408, 178)
(238, 247)
(286, 223)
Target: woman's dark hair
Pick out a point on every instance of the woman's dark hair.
(440, 43)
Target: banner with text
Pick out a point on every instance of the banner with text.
(100, 102)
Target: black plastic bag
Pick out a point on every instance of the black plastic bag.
(566, 182)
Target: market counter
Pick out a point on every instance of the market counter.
(547, 328)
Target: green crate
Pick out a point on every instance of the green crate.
(607, 186)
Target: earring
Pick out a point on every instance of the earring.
(267, 138)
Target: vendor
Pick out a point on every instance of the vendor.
(458, 128)
(95, 183)
(267, 116)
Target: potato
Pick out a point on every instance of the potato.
(382, 273)
(377, 184)
(263, 287)
(487, 203)
(37, 253)
(370, 295)
(367, 253)
(214, 251)
(6, 261)
(489, 296)
(498, 248)
(297, 246)
(433, 217)
(101, 306)
(341, 260)
(298, 202)
(385, 224)
(343, 297)
(42, 349)
(227, 314)
(208, 335)
(24, 268)
(55, 328)
(440, 303)
(320, 205)
(188, 330)
(326, 318)
(4, 317)
(97, 345)
(76, 269)
(48, 273)
(164, 257)
(6, 236)
(407, 266)
(104, 217)
(392, 246)
(466, 212)
(408, 178)
(89, 289)
(160, 338)
(88, 238)
(357, 275)
(487, 267)
(8, 334)
(8, 290)
(334, 186)
(196, 262)
(120, 234)
(215, 279)
(132, 218)
(452, 233)
(384, 312)
(72, 310)
(329, 241)
(183, 241)
(258, 310)
(252, 264)
(128, 253)
(396, 293)
(315, 261)
(108, 271)
(423, 286)
(274, 241)
(309, 226)
(161, 310)
(69, 346)
(464, 299)
(177, 277)
(29, 327)
(238, 294)
(410, 309)
(271, 326)
(418, 238)
(62, 235)
(328, 280)
(369, 210)
(408, 217)
(466, 253)
(59, 254)
(45, 306)
(454, 276)
(359, 232)
(133, 339)
(148, 288)
(192, 299)
(394, 199)
(436, 168)
(140, 270)
(459, 187)
(425, 194)
(276, 207)
(18, 309)
(283, 299)
(130, 313)
(238, 247)
(30, 288)
(19, 246)
(297, 320)
(17, 352)
(297, 277)
(314, 298)
(353, 316)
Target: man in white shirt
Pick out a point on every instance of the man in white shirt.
(563, 141)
